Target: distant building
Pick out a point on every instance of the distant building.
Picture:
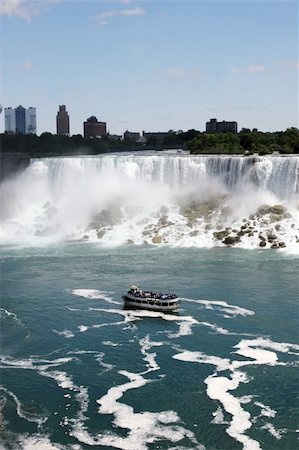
(30, 118)
(157, 137)
(94, 129)
(20, 120)
(134, 136)
(63, 121)
(217, 127)
(10, 120)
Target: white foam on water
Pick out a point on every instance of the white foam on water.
(29, 417)
(31, 363)
(5, 313)
(143, 427)
(270, 428)
(218, 416)
(217, 329)
(259, 351)
(146, 344)
(37, 442)
(266, 410)
(95, 294)
(65, 333)
(245, 399)
(111, 344)
(185, 329)
(131, 315)
(199, 357)
(222, 306)
(218, 389)
(106, 367)
(82, 328)
(62, 379)
(82, 352)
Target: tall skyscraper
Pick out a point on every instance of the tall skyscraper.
(30, 117)
(63, 121)
(10, 120)
(20, 120)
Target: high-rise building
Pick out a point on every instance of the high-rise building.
(63, 121)
(20, 120)
(93, 128)
(213, 126)
(30, 117)
(10, 120)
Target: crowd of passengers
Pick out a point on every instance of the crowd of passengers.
(150, 294)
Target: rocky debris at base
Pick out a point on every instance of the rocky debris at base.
(265, 228)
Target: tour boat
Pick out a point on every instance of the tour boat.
(136, 298)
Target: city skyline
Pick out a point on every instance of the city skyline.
(155, 66)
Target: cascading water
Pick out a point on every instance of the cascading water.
(173, 199)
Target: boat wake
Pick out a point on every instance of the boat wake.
(128, 424)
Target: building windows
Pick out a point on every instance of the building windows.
(63, 121)
(93, 128)
(217, 127)
(20, 120)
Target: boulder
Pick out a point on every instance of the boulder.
(130, 241)
(100, 233)
(220, 234)
(231, 240)
(262, 244)
(264, 209)
(157, 239)
(271, 237)
(275, 245)
(106, 217)
(146, 232)
(278, 209)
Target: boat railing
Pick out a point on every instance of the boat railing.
(152, 295)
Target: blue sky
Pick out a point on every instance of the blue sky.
(152, 65)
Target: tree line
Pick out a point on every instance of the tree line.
(244, 142)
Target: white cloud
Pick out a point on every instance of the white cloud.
(182, 73)
(27, 65)
(24, 9)
(137, 11)
(253, 68)
(101, 19)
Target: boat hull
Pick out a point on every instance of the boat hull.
(151, 304)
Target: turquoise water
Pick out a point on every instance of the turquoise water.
(77, 371)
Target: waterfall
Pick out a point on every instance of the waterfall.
(278, 174)
(118, 198)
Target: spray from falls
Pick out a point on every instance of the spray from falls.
(155, 198)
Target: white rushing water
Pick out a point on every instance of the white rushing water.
(173, 199)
